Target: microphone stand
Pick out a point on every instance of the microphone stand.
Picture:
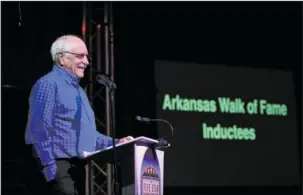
(113, 130)
(165, 121)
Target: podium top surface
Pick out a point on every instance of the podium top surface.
(140, 139)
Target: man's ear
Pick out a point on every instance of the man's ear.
(60, 59)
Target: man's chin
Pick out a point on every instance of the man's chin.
(80, 75)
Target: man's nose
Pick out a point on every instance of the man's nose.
(85, 60)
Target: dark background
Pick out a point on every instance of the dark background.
(236, 34)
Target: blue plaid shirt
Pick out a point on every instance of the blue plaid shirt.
(61, 122)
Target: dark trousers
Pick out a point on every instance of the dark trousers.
(69, 180)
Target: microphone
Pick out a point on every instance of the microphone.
(104, 80)
(145, 119)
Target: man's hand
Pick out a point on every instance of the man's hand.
(125, 139)
(122, 140)
(50, 171)
(86, 154)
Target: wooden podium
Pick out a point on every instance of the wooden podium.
(141, 166)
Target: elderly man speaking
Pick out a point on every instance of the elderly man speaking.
(61, 123)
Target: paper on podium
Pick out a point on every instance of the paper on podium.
(140, 139)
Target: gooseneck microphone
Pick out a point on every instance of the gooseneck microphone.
(147, 120)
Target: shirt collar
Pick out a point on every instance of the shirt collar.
(68, 76)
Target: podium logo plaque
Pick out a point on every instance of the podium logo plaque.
(150, 177)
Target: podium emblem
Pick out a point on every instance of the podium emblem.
(150, 178)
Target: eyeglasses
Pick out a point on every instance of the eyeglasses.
(78, 55)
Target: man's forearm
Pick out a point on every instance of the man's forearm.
(47, 160)
(104, 141)
(43, 150)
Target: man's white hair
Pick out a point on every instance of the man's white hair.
(61, 45)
